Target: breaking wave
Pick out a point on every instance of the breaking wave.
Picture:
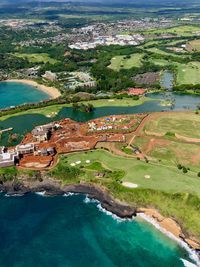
(193, 255)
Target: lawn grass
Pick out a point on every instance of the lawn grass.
(188, 73)
(184, 123)
(163, 178)
(37, 58)
(173, 193)
(195, 45)
(126, 102)
(182, 30)
(178, 152)
(185, 73)
(162, 52)
(122, 62)
(160, 61)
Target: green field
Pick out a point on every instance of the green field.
(183, 30)
(194, 45)
(162, 52)
(122, 62)
(96, 103)
(170, 191)
(135, 171)
(185, 73)
(188, 73)
(178, 152)
(160, 62)
(184, 123)
(37, 58)
(168, 148)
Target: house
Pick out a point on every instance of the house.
(46, 151)
(8, 157)
(136, 91)
(99, 174)
(43, 132)
(50, 76)
(25, 149)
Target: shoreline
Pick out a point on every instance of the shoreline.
(193, 253)
(51, 91)
(51, 187)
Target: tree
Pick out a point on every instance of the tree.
(185, 170)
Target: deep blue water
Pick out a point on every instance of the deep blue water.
(14, 94)
(68, 232)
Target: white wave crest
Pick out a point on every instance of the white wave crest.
(70, 194)
(90, 200)
(109, 213)
(188, 264)
(41, 193)
(14, 195)
(192, 254)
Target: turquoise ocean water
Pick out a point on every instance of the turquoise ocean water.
(70, 231)
(14, 94)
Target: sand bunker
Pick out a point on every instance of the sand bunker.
(129, 185)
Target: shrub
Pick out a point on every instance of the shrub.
(185, 170)
(179, 166)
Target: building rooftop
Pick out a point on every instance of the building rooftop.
(136, 91)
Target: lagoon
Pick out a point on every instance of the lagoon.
(15, 93)
(26, 122)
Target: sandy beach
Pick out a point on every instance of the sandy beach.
(51, 91)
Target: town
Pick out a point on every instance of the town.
(122, 40)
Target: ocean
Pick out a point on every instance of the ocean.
(15, 93)
(73, 231)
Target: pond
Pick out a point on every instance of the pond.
(167, 80)
(25, 123)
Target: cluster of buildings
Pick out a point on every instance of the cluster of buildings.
(72, 80)
(21, 24)
(49, 75)
(134, 39)
(16, 23)
(136, 91)
(18, 155)
(39, 149)
(119, 26)
(8, 157)
(115, 123)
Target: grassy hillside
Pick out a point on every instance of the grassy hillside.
(126, 62)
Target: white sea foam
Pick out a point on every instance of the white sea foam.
(41, 193)
(69, 194)
(99, 206)
(192, 254)
(90, 200)
(109, 213)
(188, 264)
(14, 195)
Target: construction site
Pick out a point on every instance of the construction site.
(40, 148)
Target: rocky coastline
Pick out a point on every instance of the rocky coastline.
(51, 187)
